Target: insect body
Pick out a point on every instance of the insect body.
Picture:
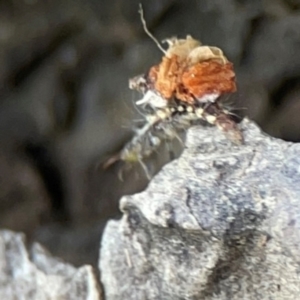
(194, 76)
(183, 89)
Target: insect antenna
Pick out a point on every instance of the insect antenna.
(141, 12)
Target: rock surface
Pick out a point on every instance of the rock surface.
(36, 275)
(220, 222)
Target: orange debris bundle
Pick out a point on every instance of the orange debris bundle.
(190, 71)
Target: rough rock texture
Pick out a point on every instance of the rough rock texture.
(220, 222)
(36, 275)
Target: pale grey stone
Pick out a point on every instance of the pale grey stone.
(35, 275)
(220, 222)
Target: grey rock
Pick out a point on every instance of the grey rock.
(220, 222)
(35, 274)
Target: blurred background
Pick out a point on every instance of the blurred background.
(65, 106)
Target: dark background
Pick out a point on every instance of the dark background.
(65, 105)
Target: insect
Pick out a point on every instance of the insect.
(194, 76)
(184, 88)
